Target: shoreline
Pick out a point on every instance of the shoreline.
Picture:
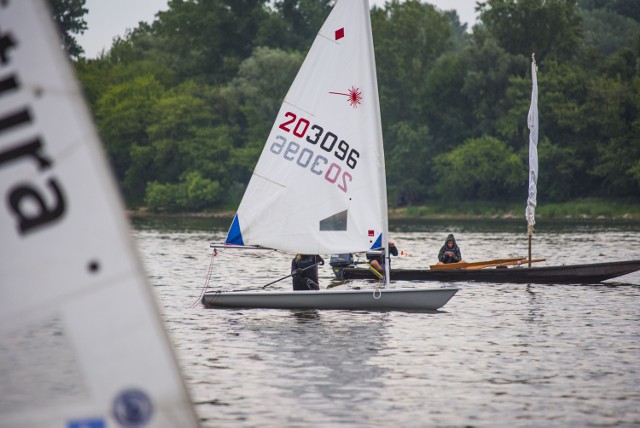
(411, 214)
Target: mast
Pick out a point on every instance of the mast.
(382, 178)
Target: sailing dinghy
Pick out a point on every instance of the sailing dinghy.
(81, 340)
(319, 186)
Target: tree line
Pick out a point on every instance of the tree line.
(184, 104)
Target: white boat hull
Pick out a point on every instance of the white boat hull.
(383, 299)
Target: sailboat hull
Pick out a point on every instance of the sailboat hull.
(569, 274)
(412, 299)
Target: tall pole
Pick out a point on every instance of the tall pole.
(387, 265)
(532, 123)
(530, 236)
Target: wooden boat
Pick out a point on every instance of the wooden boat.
(498, 270)
(409, 299)
(319, 186)
(567, 274)
(514, 261)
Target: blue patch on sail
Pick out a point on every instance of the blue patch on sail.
(234, 237)
(87, 423)
(378, 243)
(132, 408)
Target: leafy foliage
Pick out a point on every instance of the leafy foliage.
(547, 27)
(193, 193)
(69, 15)
(184, 104)
(482, 168)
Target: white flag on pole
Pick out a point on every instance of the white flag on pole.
(532, 122)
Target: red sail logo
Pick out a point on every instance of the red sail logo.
(354, 96)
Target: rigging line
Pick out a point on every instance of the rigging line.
(210, 275)
(207, 279)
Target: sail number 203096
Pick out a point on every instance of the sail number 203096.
(306, 157)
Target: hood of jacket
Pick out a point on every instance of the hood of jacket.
(451, 238)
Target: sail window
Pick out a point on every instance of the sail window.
(336, 222)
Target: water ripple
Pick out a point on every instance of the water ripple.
(497, 355)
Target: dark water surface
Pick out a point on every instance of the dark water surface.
(495, 355)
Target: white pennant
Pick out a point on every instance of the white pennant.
(532, 122)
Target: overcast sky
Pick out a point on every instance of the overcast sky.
(110, 18)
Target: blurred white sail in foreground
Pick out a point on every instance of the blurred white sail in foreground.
(81, 340)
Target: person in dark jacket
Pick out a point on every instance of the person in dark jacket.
(304, 271)
(377, 259)
(450, 252)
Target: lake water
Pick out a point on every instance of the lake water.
(495, 355)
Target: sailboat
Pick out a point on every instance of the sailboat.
(319, 186)
(81, 340)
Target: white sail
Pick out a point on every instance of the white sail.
(532, 122)
(319, 186)
(81, 340)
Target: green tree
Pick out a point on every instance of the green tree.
(487, 81)
(192, 193)
(627, 8)
(186, 136)
(547, 27)
(184, 104)
(69, 16)
(408, 164)
(615, 107)
(557, 168)
(481, 169)
(409, 37)
(124, 113)
(298, 22)
(460, 36)
(261, 84)
(100, 75)
(165, 197)
(607, 31)
(251, 102)
(207, 40)
(511, 125)
(445, 108)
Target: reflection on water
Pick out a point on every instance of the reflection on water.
(324, 364)
(497, 354)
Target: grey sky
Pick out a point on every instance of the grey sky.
(110, 18)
